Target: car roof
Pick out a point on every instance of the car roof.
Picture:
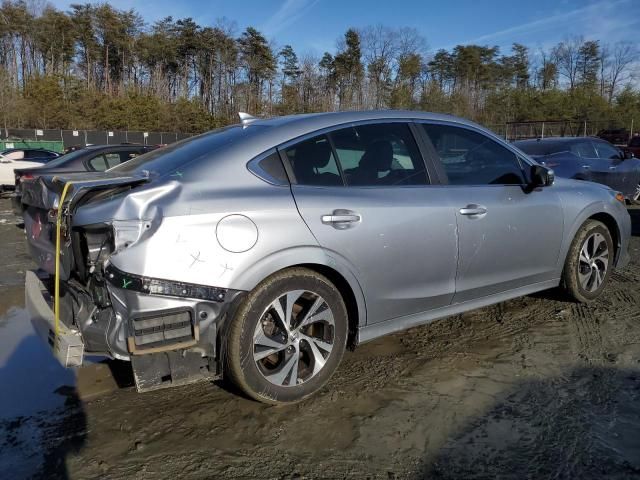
(113, 145)
(278, 130)
(329, 119)
(555, 140)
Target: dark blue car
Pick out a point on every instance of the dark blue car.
(587, 158)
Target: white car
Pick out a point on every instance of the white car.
(21, 158)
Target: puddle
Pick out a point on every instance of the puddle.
(29, 375)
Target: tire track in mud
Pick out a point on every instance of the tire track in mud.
(586, 337)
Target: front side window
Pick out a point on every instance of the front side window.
(382, 154)
(471, 158)
(583, 149)
(606, 150)
(313, 162)
(635, 142)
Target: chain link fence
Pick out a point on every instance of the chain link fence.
(83, 138)
(512, 131)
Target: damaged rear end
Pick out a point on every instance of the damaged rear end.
(82, 303)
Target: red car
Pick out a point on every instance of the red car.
(634, 146)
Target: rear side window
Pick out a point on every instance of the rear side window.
(270, 168)
(313, 162)
(383, 154)
(98, 163)
(105, 161)
(471, 158)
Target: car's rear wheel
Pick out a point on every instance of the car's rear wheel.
(589, 262)
(287, 338)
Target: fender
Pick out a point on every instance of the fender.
(587, 212)
(295, 256)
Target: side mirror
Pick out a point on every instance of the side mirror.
(542, 176)
(627, 154)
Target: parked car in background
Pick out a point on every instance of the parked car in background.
(72, 148)
(260, 251)
(634, 146)
(587, 158)
(617, 136)
(13, 158)
(96, 158)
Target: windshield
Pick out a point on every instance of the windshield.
(176, 156)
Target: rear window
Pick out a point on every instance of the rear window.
(65, 159)
(173, 158)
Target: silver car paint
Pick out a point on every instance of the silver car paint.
(401, 261)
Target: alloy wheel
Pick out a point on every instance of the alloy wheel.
(294, 338)
(636, 195)
(593, 263)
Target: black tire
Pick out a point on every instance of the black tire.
(247, 373)
(573, 266)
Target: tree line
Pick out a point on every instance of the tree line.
(95, 66)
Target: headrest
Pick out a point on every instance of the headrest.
(380, 154)
(315, 155)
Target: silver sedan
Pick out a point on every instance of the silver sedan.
(261, 251)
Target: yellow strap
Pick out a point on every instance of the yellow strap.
(56, 294)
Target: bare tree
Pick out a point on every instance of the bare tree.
(623, 57)
(379, 47)
(567, 58)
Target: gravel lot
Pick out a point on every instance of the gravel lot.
(535, 387)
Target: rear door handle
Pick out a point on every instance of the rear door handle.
(341, 219)
(586, 167)
(612, 168)
(473, 209)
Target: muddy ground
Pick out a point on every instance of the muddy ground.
(535, 387)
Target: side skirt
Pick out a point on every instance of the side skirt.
(370, 332)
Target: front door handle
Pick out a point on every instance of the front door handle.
(473, 209)
(341, 219)
(612, 168)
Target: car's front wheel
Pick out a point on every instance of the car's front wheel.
(589, 262)
(287, 337)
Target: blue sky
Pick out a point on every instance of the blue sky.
(313, 26)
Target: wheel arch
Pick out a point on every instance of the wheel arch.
(347, 294)
(330, 264)
(598, 210)
(614, 229)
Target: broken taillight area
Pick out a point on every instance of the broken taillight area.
(92, 246)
